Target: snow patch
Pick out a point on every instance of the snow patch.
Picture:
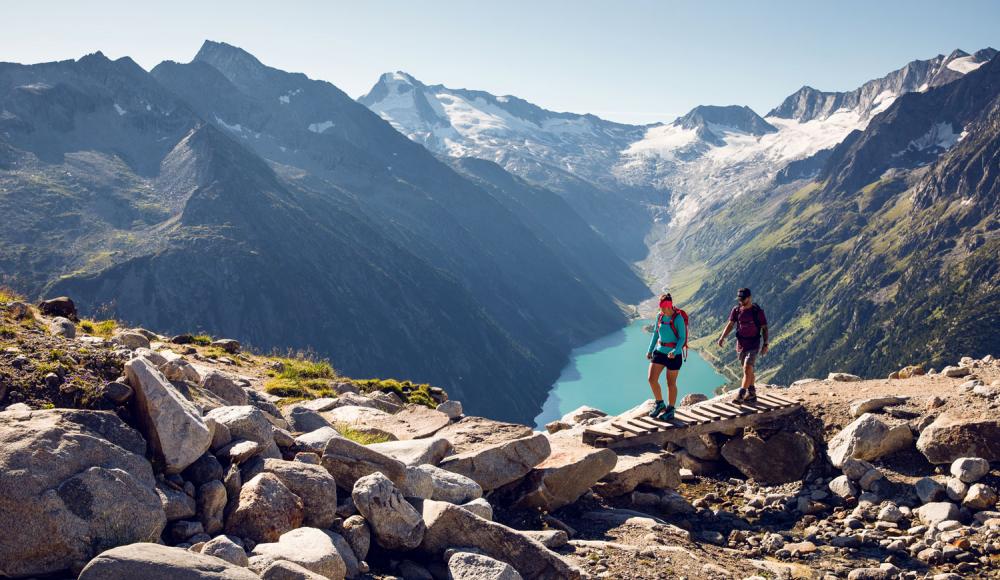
(287, 97)
(941, 135)
(120, 110)
(964, 65)
(321, 127)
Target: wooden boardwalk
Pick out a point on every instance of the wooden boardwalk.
(711, 416)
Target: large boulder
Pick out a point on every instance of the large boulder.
(155, 562)
(970, 469)
(472, 433)
(313, 484)
(313, 549)
(266, 509)
(225, 548)
(472, 566)
(862, 406)
(172, 424)
(868, 438)
(501, 463)
(72, 483)
(225, 387)
(649, 465)
(315, 441)
(245, 422)
(395, 523)
(61, 306)
(781, 458)
(348, 462)
(571, 468)
(937, 512)
(449, 525)
(954, 435)
(415, 452)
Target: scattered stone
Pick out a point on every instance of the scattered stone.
(212, 500)
(859, 408)
(855, 469)
(956, 489)
(551, 539)
(117, 392)
(868, 438)
(348, 462)
(843, 487)
(451, 487)
(302, 419)
(980, 497)
(702, 446)
(266, 509)
(936, 512)
(501, 463)
(471, 566)
(557, 426)
(449, 525)
(61, 306)
(225, 548)
(63, 327)
(225, 387)
(691, 399)
(480, 507)
(313, 484)
(173, 425)
(911, 371)
(782, 458)
(453, 409)
(177, 505)
(245, 422)
(285, 570)
(843, 377)
(970, 469)
(315, 441)
(358, 535)
(582, 414)
(929, 490)
(418, 484)
(395, 524)
(156, 562)
(313, 549)
(227, 344)
(130, 339)
(956, 372)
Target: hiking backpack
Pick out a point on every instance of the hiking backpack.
(756, 310)
(673, 327)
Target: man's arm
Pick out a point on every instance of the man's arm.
(763, 330)
(725, 332)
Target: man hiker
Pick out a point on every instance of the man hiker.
(751, 326)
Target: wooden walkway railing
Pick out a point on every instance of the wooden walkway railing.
(711, 416)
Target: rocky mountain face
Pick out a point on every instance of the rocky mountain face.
(897, 234)
(127, 453)
(247, 201)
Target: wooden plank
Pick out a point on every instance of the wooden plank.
(783, 399)
(597, 430)
(683, 415)
(772, 400)
(651, 423)
(640, 425)
(720, 410)
(629, 428)
(729, 407)
(704, 413)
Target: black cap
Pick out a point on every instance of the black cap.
(743, 292)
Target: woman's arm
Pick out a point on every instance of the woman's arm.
(656, 336)
(681, 335)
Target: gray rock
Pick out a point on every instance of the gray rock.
(649, 466)
(956, 372)
(313, 549)
(970, 469)
(843, 487)
(782, 458)
(929, 490)
(177, 505)
(206, 468)
(691, 399)
(451, 487)
(861, 407)
(358, 535)
(266, 509)
(843, 377)
(501, 463)
(480, 507)
(868, 480)
(313, 484)
(130, 339)
(181, 530)
(172, 425)
(118, 392)
(227, 344)
(980, 497)
(413, 422)
(702, 446)
(581, 414)
(63, 327)
(285, 570)
(316, 441)
(302, 419)
(414, 452)
(395, 524)
(474, 433)
(855, 469)
(551, 539)
(225, 387)
(568, 472)
(868, 438)
(348, 462)
(472, 566)
(156, 562)
(449, 525)
(954, 435)
(418, 484)
(226, 548)
(936, 512)
(245, 422)
(178, 369)
(212, 500)
(72, 483)
(956, 489)
(453, 409)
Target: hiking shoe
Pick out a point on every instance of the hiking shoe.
(668, 414)
(740, 396)
(751, 395)
(659, 408)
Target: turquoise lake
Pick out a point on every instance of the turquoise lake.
(610, 374)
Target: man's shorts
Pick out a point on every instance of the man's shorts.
(672, 364)
(747, 357)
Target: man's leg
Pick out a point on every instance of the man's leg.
(750, 359)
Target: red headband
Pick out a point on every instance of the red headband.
(666, 303)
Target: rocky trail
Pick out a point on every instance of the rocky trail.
(124, 453)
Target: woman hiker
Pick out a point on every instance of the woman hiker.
(665, 350)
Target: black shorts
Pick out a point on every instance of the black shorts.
(672, 364)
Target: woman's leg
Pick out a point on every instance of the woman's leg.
(654, 380)
(672, 386)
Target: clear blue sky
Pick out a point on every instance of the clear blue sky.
(637, 61)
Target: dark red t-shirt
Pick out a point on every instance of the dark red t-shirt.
(747, 335)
